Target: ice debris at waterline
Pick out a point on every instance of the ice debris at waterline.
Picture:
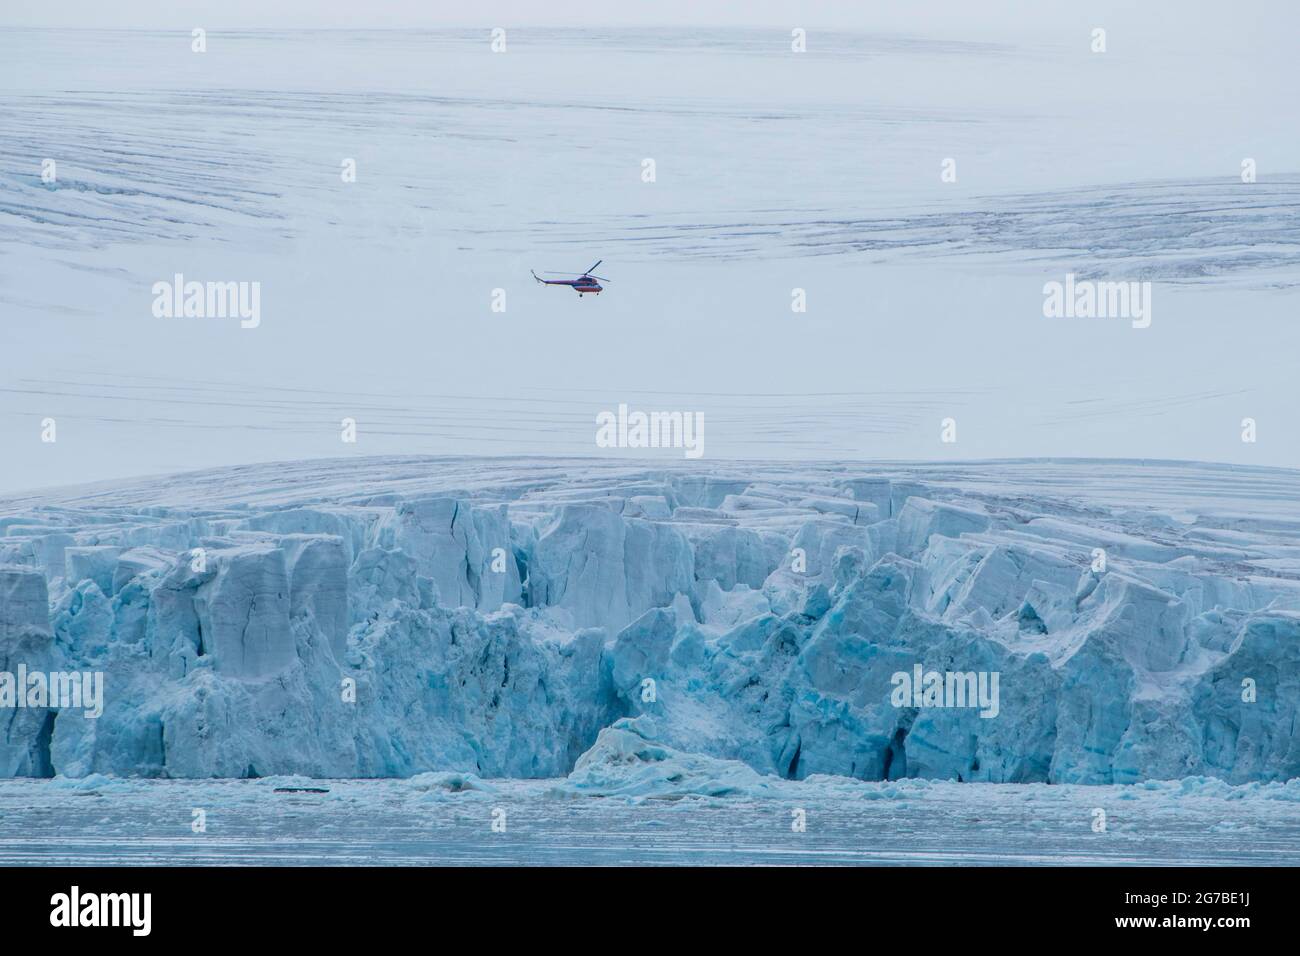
(494, 618)
(627, 761)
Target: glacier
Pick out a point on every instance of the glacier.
(659, 627)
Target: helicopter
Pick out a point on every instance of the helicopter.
(581, 284)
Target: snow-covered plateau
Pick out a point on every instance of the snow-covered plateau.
(647, 629)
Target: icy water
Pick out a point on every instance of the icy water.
(105, 821)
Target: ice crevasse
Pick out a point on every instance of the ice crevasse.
(493, 617)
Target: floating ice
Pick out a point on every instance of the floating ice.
(627, 761)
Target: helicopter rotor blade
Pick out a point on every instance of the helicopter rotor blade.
(601, 278)
(598, 262)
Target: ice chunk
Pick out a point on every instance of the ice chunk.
(24, 601)
(318, 584)
(242, 612)
(604, 569)
(94, 563)
(137, 561)
(465, 550)
(26, 645)
(626, 761)
(920, 518)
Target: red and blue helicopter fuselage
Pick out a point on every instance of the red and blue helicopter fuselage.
(583, 284)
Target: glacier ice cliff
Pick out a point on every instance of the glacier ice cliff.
(540, 618)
